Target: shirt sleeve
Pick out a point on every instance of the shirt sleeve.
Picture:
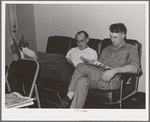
(94, 56)
(133, 57)
(68, 54)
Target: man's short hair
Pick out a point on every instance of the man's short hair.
(85, 33)
(117, 28)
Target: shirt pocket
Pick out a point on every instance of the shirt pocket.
(121, 59)
(107, 58)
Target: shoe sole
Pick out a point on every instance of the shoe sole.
(12, 47)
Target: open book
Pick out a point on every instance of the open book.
(71, 62)
(103, 66)
(16, 100)
(98, 64)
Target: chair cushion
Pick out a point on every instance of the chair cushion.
(108, 96)
(58, 44)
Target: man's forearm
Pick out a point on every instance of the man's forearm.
(109, 74)
(126, 69)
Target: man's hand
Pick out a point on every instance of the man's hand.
(87, 60)
(109, 74)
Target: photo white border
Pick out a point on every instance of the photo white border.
(74, 114)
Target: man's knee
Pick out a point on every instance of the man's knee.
(83, 82)
(81, 66)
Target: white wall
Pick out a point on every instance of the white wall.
(8, 58)
(66, 20)
(26, 26)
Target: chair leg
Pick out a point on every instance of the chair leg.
(59, 96)
(120, 104)
(7, 84)
(37, 96)
(121, 95)
(8, 87)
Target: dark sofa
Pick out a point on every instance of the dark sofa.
(61, 44)
(52, 91)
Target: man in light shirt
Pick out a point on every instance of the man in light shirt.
(76, 54)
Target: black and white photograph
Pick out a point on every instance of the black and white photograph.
(75, 60)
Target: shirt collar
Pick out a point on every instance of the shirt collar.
(114, 49)
(83, 49)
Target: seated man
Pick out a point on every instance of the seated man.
(76, 54)
(120, 57)
(55, 62)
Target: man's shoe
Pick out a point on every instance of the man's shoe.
(12, 47)
(22, 43)
(65, 103)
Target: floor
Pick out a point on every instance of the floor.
(135, 102)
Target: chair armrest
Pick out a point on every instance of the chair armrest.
(126, 76)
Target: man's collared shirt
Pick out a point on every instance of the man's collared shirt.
(125, 55)
(75, 53)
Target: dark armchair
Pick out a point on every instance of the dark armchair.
(129, 82)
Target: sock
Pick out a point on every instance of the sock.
(29, 53)
(21, 42)
(70, 94)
